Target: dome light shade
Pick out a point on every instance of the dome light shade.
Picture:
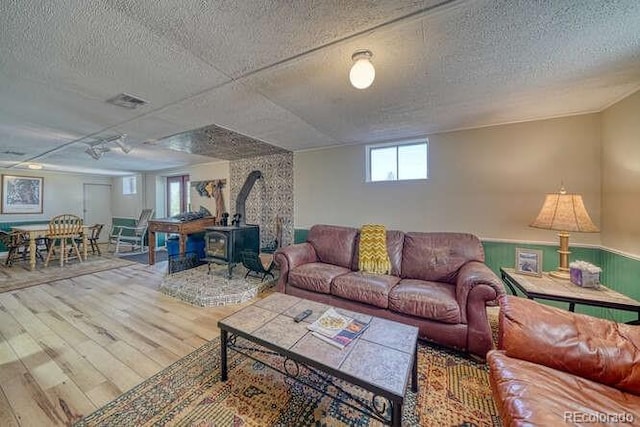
(362, 72)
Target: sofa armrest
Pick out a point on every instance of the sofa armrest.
(290, 257)
(597, 349)
(472, 274)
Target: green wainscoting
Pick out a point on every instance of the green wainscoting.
(503, 254)
(619, 272)
(300, 235)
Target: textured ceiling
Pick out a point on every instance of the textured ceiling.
(277, 72)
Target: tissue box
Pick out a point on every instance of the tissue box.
(584, 278)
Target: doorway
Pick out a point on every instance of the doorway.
(97, 207)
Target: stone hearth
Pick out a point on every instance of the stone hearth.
(196, 287)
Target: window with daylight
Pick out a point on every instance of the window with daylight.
(129, 185)
(397, 161)
(177, 194)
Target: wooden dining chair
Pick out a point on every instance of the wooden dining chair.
(63, 230)
(93, 236)
(17, 245)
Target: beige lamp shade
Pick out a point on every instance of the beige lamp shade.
(564, 212)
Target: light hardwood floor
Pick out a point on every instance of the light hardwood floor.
(71, 346)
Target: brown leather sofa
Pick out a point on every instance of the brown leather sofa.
(554, 367)
(438, 282)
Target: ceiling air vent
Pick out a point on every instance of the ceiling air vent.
(127, 101)
(12, 153)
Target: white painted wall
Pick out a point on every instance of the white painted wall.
(207, 172)
(489, 181)
(621, 175)
(62, 193)
(130, 205)
(152, 190)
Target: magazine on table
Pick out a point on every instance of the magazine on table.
(337, 329)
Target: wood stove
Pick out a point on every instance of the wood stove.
(224, 245)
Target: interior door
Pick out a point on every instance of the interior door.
(97, 207)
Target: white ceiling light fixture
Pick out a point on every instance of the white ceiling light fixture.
(362, 72)
(34, 166)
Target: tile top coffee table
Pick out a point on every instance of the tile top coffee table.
(383, 360)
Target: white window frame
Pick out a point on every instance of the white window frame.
(126, 188)
(396, 144)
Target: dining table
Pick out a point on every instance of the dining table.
(35, 231)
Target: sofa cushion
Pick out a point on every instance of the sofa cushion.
(531, 394)
(315, 276)
(395, 240)
(438, 256)
(431, 300)
(363, 287)
(333, 244)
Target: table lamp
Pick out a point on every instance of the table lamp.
(564, 212)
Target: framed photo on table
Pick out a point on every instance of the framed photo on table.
(22, 194)
(529, 261)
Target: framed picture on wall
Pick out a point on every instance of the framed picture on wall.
(22, 194)
(529, 261)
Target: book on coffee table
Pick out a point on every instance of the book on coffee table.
(337, 329)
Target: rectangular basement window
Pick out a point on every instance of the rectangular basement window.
(129, 185)
(396, 161)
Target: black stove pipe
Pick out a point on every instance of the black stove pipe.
(243, 194)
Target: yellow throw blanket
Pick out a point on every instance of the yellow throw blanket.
(373, 256)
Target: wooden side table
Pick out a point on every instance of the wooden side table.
(549, 288)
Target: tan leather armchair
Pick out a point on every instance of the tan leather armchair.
(555, 367)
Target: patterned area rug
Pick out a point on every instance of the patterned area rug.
(19, 276)
(453, 391)
(208, 288)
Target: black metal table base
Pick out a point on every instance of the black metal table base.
(378, 407)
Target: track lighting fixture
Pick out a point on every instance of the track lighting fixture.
(123, 145)
(97, 149)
